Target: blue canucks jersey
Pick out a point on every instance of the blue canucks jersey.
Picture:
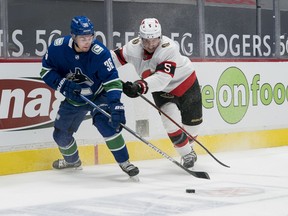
(93, 70)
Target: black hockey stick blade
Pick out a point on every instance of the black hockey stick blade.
(197, 174)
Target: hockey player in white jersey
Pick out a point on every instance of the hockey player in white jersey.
(171, 78)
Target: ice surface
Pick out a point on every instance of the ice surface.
(255, 185)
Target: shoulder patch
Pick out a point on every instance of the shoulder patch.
(97, 49)
(59, 41)
(165, 44)
(136, 41)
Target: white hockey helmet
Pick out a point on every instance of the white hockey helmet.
(150, 28)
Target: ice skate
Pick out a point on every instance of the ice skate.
(189, 159)
(62, 164)
(129, 168)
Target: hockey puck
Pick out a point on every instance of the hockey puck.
(190, 190)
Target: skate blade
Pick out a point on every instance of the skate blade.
(69, 168)
(78, 168)
(134, 179)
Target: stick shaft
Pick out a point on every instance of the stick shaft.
(194, 173)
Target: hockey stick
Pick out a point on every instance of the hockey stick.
(194, 173)
(189, 135)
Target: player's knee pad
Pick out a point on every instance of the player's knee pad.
(171, 110)
(62, 138)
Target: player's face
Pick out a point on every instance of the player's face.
(84, 42)
(150, 45)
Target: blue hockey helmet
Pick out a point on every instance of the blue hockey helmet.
(81, 25)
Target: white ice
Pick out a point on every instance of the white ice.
(255, 185)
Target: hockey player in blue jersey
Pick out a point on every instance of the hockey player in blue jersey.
(75, 64)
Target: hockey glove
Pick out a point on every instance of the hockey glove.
(132, 89)
(69, 89)
(117, 115)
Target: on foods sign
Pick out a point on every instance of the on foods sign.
(234, 94)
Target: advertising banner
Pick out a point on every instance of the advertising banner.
(230, 29)
(243, 96)
(237, 97)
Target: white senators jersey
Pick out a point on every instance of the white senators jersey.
(165, 70)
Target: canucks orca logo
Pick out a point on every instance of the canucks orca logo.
(79, 77)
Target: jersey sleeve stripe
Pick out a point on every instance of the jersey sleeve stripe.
(120, 56)
(113, 85)
(44, 71)
(166, 67)
(114, 89)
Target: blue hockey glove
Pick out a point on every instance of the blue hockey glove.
(132, 89)
(117, 115)
(69, 89)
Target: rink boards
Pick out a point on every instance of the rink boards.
(244, 106)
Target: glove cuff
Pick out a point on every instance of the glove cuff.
(60, 84)
(143, 86)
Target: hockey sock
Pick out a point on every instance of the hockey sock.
(70, 152)
(117, 146)
(180, 141)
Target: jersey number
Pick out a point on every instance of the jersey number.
(108, 63)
